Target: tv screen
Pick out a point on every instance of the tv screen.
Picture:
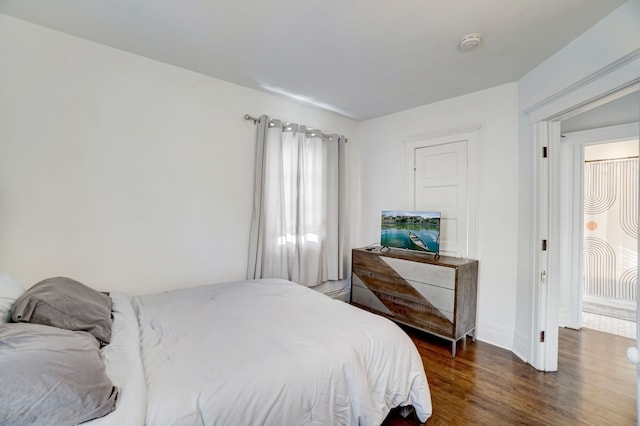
(411, 230)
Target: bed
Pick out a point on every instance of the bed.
(260, 352)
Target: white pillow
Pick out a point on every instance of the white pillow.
(9, 292)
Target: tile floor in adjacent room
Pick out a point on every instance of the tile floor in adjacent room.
(609, 325)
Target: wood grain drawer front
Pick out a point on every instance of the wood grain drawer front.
(441, 298)
(437, 275)
(365, 297)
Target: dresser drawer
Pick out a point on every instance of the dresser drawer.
(364, 297)
(441, 298)
(423, 272)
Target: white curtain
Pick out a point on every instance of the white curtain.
(297, 226)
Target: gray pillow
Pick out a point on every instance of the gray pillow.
(51, 376)
(65, 303)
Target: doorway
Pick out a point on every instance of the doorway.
(601, 152)
(556, 265)
(611, 237)
(603, 204)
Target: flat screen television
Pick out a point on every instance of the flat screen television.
(411, 230)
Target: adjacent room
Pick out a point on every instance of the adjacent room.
(319, 212)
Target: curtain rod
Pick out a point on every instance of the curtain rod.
(257, 120)
(248, 117)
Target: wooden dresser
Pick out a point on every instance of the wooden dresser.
(437, 296)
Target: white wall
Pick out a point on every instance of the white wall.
(588, 62)
(122, 172)
(382, 165)
(613, 38)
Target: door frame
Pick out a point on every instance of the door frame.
(468, 134)
(544, 118)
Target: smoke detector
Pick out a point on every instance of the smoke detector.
(470, 42)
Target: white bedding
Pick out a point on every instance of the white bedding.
(124, 366)
(264, 352)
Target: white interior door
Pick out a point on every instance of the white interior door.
(441, 185)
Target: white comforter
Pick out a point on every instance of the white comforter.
(265, 352)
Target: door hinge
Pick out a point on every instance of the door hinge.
(542, 336)
(544, 245)
(544, 152)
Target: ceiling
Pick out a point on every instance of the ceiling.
(359, 58)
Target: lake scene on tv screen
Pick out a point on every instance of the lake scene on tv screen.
(411, 230)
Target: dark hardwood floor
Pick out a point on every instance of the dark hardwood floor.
(486, 385)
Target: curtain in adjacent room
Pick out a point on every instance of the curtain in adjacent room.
(297, 226)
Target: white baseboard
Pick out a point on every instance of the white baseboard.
(521, 347)
(495, 335)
